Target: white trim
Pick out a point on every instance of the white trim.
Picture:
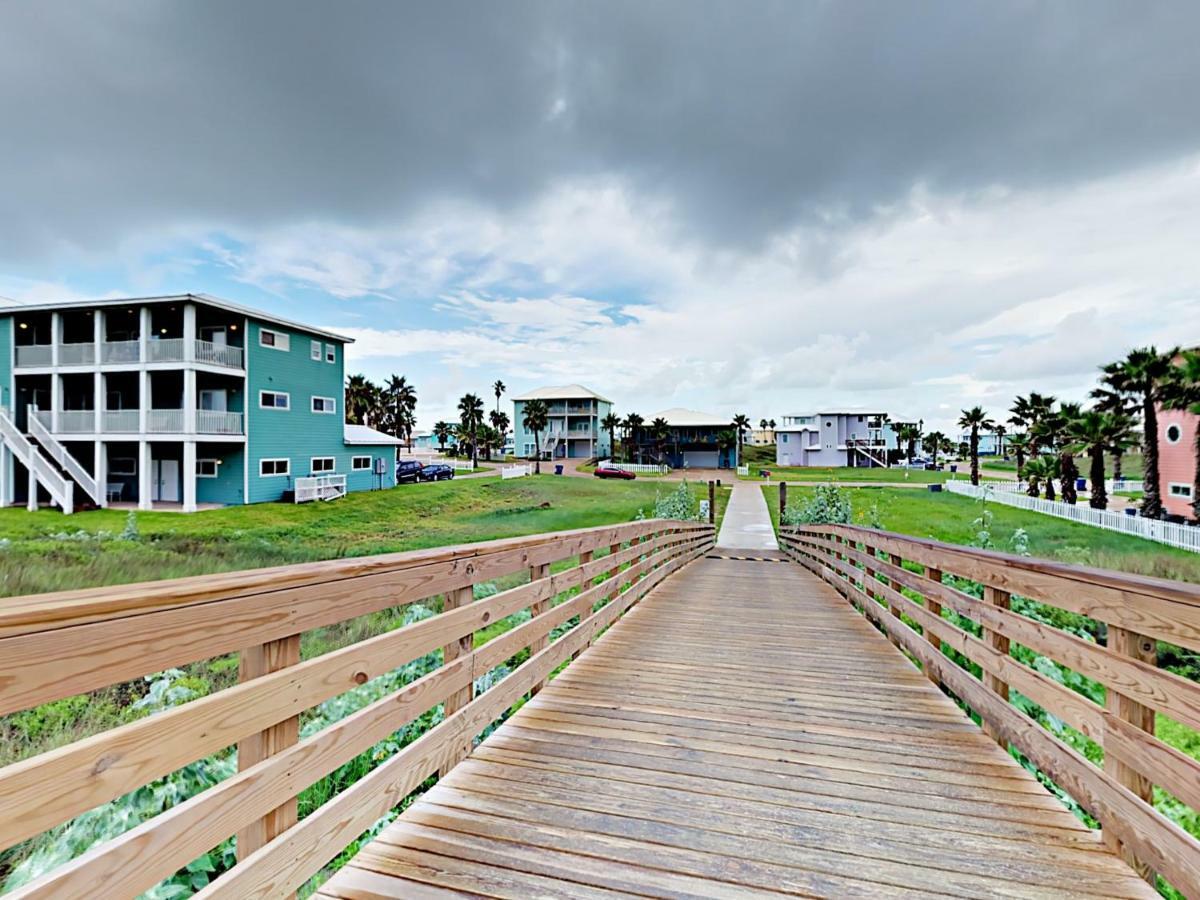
(287, 468)
(1178, 432)
(354, 464)
(331, 354)
(284, 394)
(328, 402)
(200, 463)
(282, 340)
(1184, 492)
(314, 351)
(312, 465)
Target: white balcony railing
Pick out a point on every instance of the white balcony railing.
(120, 352)
(42, 415)
(121, 420)
(34, 355)
(164, 421)
(73, 421)
(76, 354)
(320, 487)
(211, 422)
(218, 354)
(165, 350)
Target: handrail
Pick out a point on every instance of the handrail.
(61, 490)
(277, 855)
(939, 623)
(62, 456)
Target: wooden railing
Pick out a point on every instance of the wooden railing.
(900, 583)
(61, 645)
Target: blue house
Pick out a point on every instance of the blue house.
(574, 429)
(175, 402)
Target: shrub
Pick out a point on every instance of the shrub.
(828, 505)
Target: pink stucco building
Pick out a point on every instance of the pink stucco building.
(1177, 460)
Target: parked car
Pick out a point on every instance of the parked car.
(437, 472)
(610, 472)
(408, 470)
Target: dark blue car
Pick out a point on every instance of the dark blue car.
(408, 470)
(437, 472)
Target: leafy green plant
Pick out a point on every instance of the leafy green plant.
(827, 505)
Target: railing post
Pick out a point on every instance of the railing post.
(455, 599)
(263, 659)
(782, 500)
(536, 573)
(1000, 643)
(894, 608)
(712, 503)
(584, 557)
(935, 609)
(1144, 649)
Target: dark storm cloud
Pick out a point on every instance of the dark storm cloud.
(120, 119)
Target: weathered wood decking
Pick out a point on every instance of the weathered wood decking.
(741, 732)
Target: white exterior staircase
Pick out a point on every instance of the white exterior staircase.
(60, 455)
(41, 471)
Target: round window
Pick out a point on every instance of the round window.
(1174, 433)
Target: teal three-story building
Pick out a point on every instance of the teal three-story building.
(177, 402)
(573, 430)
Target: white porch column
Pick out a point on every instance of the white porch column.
(189, 401)
(144, 334)
(189, 332)
(98, 332)
(100, 471)
(55, 336)
(5, 466)
(98, 398)
(145, 473)
(143, 400)
(32, 503)
(189, 476)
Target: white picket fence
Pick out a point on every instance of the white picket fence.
(320, 487)
(639, 468)
(462, 465)
(1185, 537)
(519, 470)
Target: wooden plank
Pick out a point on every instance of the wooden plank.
(1000, 643)
(935, 609)
(457, 599)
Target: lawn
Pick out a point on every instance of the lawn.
(1131, 465)
(46, 551)
(950, 518)
(853, 474)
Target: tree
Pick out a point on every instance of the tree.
(909, 434)
(741, 425)
(1124, 409)
(726, 439)
(1068, 473)
(975, 419)
(611, 423)
(1036, 471)
(442, 431)
(470, 418)
(771, 425)
(999, 431)
(488, 438)
(498, 388)
(362, 400)
(659, 432)
(1182, 391)
(1029, 411)
(633, 429)
(399, 400)
(535, 419)
(500, 422)
(932, 443)
(1019, 444)
(1091, 433)
(1142, 374)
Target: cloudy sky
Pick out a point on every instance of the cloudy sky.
(748, 207)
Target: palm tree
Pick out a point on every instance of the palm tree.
(1067, 414)
(1028, 412)
(726, 439)
(488, 438)
(975, 419)
(932, 443)
(633, 428)
(741, 425)
(1124, 409)
(659, 432)
(442, 431)
(909, 434)
(1143, 374)
(360, 399)
(1182, 391)
(499, 421)
(611, 423)
(498, 388)
(1036, 471)
(1091, 433)
(535, 419)
(470, 418)
(399, 399)
(999, 431)
(771, 425)
(1019, 444)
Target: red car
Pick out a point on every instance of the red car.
(609, 472)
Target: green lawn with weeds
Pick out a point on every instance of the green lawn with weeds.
(1131, 465)
(857, 474)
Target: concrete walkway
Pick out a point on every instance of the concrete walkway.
(747, 522)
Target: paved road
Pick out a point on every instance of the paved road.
(747, 522)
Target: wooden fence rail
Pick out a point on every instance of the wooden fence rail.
(62, 645)
(882, 573)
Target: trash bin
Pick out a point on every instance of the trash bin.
(1130, 511)
(1081, 484)
(953, 468)
(558, 470)
(935, 488)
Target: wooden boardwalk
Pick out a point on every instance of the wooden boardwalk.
(742, 732)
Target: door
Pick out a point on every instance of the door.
(214, 336)
(213, 400)
(166, 480)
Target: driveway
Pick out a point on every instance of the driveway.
(747, 522)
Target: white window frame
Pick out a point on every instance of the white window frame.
(312, 465)
(314, 350)
(275, 460)
(328, 402)
(1184, 491)
(281, 341)
(354, 464)
(1178, 432)
(286, 407)
(200, 464)
(113, 466)
(331, 354)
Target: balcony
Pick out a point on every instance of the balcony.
(34, 355)
(219, 355)
(211, 422)
(76, 354)
(164, 421)
(120, 352)
(73, 421)
(121, 421)
(165, 350)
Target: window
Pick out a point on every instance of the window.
(274, 467)
(323, 464)
(324, 405)
(274, 400)
(1180, 490)
(1174, 433)
(330, 353)
(122, 465)
(274, 339)
(360, 463)
(783, 437)
(314, 350)
(528, 448)
(207, 468)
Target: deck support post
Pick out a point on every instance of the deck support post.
(537, 573)
(935, 609)
(263, 659)
(584, 557)
(1000, 643)
(1144, 649)
(453, 600)
(712, 503)
(782, 500)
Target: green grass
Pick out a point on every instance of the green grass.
(854, 474)
(46, 551)
(950, 518)
(1131, 465)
